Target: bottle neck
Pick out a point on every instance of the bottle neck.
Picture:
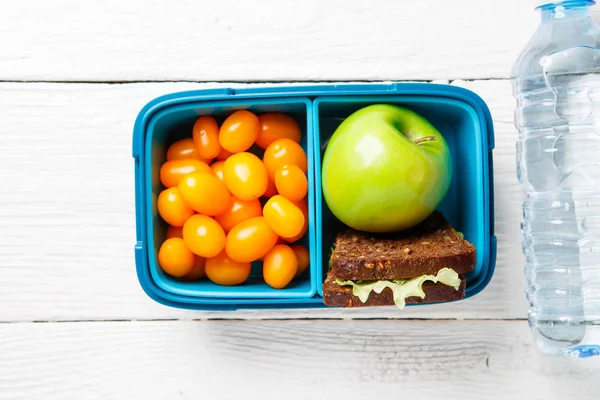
(566, 9)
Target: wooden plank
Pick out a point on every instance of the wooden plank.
(285, 359)
(67, 210)
(228, 40)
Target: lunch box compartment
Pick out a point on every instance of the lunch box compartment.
(466, 205)
(176, 122)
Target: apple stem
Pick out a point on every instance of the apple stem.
(424, 139)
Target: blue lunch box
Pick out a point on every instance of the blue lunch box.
(459, 114)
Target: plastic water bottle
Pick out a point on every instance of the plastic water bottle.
(556, 82)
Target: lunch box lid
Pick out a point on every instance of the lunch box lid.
(311, 91)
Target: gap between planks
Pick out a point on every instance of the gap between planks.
(71, 321)
(252, 82)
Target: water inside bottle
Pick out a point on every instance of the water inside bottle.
(559, 164)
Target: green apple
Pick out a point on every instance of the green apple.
(385, 169)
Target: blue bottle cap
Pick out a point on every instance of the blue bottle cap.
(542, 3)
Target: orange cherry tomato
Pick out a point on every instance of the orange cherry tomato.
(174, 231)
(275, 126)
(206, 137)
(239, 131)
(172, 208)
(303, 257)
(217, 169)
(175, 258)
(284, 152)
(205, 193)
(183, 149)
(203, 236)
(271, 189)
(197, 272)
(239, 211)
(245, 176)
(223, 155)
(280, 266)
(250, 240)
(224, 271)
(291, 182)
(303, 206)
(283, 216)
(172, 171)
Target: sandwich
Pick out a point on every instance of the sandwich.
(425, 264)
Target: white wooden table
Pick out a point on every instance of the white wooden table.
(74, 322)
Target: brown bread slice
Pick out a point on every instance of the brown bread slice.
(335, 295)
(422, 250)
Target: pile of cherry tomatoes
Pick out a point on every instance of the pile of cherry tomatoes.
(226, 207)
